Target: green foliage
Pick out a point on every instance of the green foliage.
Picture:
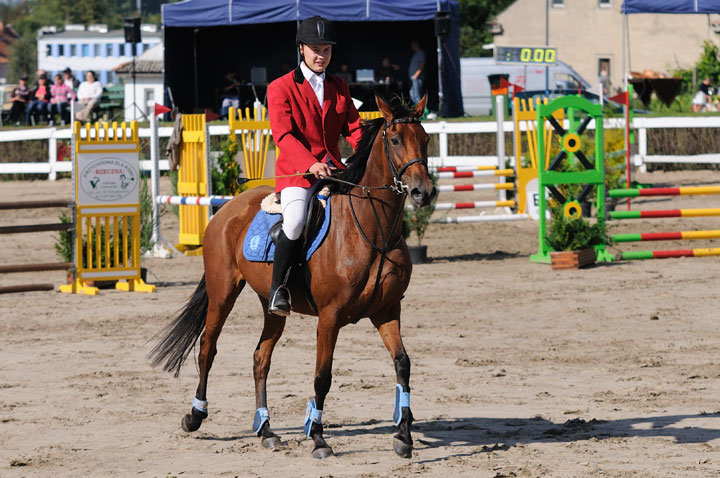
(708, 64)
(23, 58)
(474, 16)
(567, 234)
(63, 240)
(146, 221)
(226, 170)
(416, 219)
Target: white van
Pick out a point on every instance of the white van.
(477, 99)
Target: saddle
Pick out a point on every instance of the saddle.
(262, 236)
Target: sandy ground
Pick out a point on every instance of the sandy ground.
(517, 370)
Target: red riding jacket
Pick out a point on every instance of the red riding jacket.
(305, 133)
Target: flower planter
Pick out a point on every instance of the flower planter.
(418, 254)
(572, 259)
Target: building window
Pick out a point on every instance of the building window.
(558, 3)
(61, 50)
(97, 50)
(604, 3)
(73, 50)
(109, 49)
(48, 50)
(604, 74)
(86, 50)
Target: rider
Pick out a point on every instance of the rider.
(309, 109)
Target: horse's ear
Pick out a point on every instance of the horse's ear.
(384, 109)
(419, 109)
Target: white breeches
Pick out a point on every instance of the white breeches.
(294, 208)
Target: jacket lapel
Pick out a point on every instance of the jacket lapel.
(305, 88)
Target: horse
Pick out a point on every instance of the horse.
(361, 270)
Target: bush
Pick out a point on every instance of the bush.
(568, 234)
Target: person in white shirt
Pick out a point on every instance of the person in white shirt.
(88, 95)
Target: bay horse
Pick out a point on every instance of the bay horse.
(361, 270)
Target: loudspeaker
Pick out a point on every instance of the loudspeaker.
(442, 24)
(132, 29)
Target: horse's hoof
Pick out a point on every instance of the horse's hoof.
(270, 442)
(401, 448)
(190, 424)
(321, 453)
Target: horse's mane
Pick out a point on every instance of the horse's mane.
(357, 163)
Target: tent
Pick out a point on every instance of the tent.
(671, 6)
(660, 6)
(204, 39)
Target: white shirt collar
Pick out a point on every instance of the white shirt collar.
(308, 74)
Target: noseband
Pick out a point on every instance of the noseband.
(398, 186)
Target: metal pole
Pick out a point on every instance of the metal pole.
(154, 178)
(624, 61)
(134, 52)
(500, 140)
(441, 97)
(547, 43)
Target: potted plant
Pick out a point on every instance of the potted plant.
(415, 221)
(573, 239)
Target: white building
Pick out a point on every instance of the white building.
(141, 97)
(92, 48)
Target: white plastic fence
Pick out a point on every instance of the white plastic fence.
(51, 166)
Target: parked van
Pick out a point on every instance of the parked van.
(477, 99)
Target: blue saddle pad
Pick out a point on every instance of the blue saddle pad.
(259, 248)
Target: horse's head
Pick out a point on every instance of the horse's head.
(405, 146)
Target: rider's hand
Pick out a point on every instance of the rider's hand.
(319, 169)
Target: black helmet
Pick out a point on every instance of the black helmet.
(316, 31)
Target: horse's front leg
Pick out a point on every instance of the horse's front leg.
(327, 334)
(272, 331)
(387, 323)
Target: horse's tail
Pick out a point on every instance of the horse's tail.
(180, 335)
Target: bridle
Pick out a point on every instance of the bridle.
(398, 185)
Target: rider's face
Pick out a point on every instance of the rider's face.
(317, 57)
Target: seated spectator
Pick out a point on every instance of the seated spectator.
(229, 93)
(70, 80)
(19, 98)
(345, 73)
(386, 74)
(88, 95)
(702, 101)
(61, 96)
(39, 101)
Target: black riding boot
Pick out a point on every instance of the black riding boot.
(285, 255)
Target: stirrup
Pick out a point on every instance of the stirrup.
(273, 309)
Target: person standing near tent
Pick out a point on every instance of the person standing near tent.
(416, 72)
(309, 109)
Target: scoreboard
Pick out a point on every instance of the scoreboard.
(540, 55)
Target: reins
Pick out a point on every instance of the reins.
(399, 188)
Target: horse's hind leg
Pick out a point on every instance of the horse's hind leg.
(388, 325)
(272, 331)
(220, 304)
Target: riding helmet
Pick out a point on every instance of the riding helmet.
(316, 31)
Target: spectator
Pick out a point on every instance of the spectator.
(386, 73)
(702, 101)
(416, 72)
(19, 99)
(61, 96)
(229, 93)
(39, 101)
(345, 73)
(70, 80)
(88, 95)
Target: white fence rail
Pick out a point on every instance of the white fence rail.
(51, 166)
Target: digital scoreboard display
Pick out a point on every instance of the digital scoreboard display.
(536, 55)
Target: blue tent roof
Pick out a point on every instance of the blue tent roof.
(671, 6)
(198, 13)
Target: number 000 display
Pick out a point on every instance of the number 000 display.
(535, 55)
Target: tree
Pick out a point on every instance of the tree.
(23, 58)
(474, 16)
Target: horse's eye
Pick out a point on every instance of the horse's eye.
(395, 141)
